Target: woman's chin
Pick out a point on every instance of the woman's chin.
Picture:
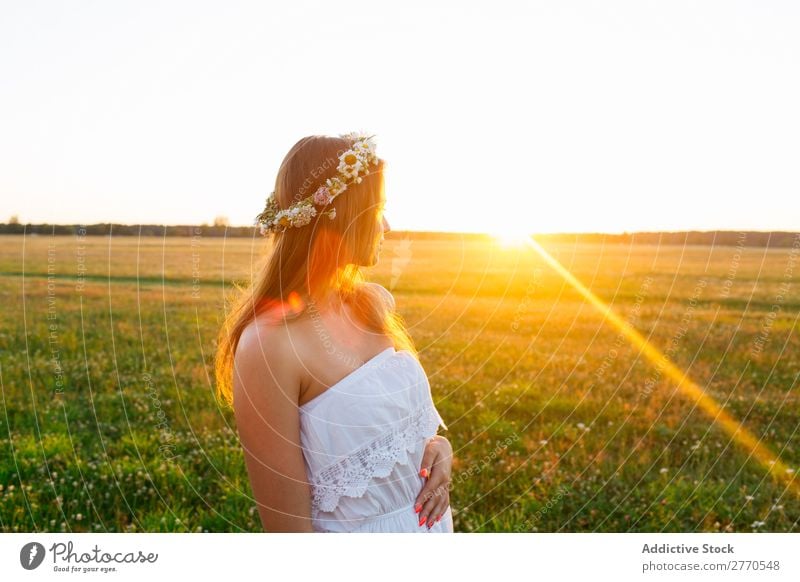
(372, 261)
(376, 256)
(368, 263)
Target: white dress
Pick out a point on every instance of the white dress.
(363, 440)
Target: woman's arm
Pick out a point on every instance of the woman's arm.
(266, 388)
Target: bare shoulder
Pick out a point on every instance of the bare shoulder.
(260, 337)
(265, 362)
(385, 293)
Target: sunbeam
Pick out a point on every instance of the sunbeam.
(689, 388)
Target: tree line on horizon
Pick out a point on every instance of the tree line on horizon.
(719, 237)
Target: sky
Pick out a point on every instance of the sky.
(559, 116)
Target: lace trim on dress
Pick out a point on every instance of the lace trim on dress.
(351, 476)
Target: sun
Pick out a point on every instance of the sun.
(511, 238)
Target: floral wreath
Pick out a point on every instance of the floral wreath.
(353, 165)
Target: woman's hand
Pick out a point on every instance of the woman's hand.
(437, 463)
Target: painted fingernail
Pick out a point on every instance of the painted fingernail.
(430, 523)
(417, 508)
(421, 520)
(438, 518)
(423, 473)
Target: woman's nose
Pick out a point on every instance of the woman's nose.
(386, 225)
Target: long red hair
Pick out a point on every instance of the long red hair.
(308, 263)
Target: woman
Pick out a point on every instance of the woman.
(332, 407)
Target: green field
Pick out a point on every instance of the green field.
(108, 420)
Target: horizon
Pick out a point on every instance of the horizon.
(412, 230)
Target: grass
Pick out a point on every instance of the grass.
(108, 420)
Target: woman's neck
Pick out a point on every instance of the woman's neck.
(331, 301)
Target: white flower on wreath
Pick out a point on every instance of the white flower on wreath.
(301, 215)
(366, 147)
(335, 186)
(350, 164)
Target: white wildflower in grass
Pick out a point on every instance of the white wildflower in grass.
(749, 497)
(79, 516)
(543, 442)
(756, 524)
(663, 470)
(581, 426)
